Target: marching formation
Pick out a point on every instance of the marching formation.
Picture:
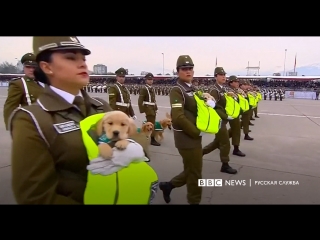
(184, 114)
(45, 112)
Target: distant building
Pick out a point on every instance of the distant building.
(127, 71)
(293, 74)
(143, 73)
(100, 69)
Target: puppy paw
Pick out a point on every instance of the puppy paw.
(122, 144)
(105, 151)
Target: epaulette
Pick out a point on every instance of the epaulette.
(14, 79)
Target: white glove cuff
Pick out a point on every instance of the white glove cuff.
(211, 103)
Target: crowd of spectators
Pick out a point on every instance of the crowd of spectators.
(289, 84)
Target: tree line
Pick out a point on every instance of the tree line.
(7, 68)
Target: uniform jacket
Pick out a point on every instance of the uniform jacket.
(17, 95)
(147, 94)
(184, 115)
(49, 158)
(218, 93)
(118, 93)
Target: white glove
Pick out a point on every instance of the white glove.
(201, 134)
(211, 103)
(230, 118)
(134, 117)
(99, 166)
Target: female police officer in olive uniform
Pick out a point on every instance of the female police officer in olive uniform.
(49, 159)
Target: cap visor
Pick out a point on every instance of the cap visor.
(85, 51)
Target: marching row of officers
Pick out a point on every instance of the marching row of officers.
(188, 139)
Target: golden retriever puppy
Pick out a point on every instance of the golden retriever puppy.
(147, 129)
(164, 124)
(117, 127)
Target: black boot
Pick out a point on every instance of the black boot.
(237, 152)
(227, 169)
(252, 119)
(256, 116)
(251, 124)
(247, 137)
(166, 188)
(154, 142)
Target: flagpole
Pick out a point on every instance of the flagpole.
(295, 64)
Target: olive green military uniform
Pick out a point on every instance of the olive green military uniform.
(235, 126)
(49, 158)
(245, 119)
(221, 140)
(186, 137)
(22, 91)
(147, 104)
(119, 96)
(255, 110)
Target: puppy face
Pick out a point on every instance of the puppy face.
(147, 128)
(117, 125)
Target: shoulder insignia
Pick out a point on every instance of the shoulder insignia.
(14, 79)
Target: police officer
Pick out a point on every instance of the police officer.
(235, 126)
(187, 136)
(221, 140)
(255, 110)
(147, 104)
(49, 158)
(245, 119)
(22, 91)
(119, 95)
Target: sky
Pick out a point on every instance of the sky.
(145, 53)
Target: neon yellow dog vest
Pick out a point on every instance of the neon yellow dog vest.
(135, 184)
(232, 106)
(252, 100)
(243, 102)
(208, 120)
(259, 96)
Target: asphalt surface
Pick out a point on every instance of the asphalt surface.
(281, 167)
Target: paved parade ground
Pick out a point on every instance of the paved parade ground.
(285, 150)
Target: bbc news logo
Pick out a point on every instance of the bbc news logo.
(220, 183)
(209, 182)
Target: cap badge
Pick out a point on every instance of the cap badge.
(73, 39)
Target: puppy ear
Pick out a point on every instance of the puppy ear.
(99, 127)
(168, 115)
(132, 129)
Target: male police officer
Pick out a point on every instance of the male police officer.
(119, 95)
(22, 91)
(235, 127)
(221, 140)
(187, 136)
(147, 104)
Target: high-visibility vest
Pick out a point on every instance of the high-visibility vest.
(259, 96)
(243, 102)
(252, 100)
(135, 184)
(232, 106)
(208, 120)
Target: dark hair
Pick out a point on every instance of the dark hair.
(39, 75)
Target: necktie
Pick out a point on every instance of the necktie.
(79, 102)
